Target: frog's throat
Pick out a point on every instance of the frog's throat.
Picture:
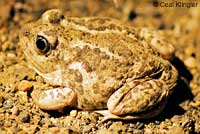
(55, 77)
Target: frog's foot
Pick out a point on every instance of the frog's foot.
(138, 97)
(54, 99)
(107, 115)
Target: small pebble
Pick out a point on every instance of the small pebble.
(8, 104)
(73, 113)
(190, 62)
(54, 130)
(7, 123)
(15, 110)
(2, 110)
(5, 46)
(24, 85)
(22, 132)
(1, 97)
(117, 127)
(190, 50)
(2, 117)
(11, 55)
(25, 118)
(104, 131)
(195, 104)
(40, 79)
(23, 98)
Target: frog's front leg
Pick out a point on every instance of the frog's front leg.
(54, 99)
(137, 99)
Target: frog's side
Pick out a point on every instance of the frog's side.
(99, 63)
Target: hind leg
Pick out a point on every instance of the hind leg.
(138, 99)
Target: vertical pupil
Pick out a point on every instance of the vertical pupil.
(41, 43)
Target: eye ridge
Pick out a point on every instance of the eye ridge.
(42, 44)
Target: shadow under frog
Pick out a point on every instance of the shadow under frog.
(181, 94)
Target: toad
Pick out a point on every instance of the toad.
(99, 64)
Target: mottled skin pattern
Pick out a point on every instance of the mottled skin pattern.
(99, 63)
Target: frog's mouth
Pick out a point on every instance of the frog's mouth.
(54, 77)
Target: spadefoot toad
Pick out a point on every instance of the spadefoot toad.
(99, 64)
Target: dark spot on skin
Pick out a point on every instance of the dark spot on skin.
(141, 69)
(26, 32)
(86, 103)
(170, 67)
(54, 45)
(52, 94)
(103, 28)
(102, 105)
(78, 77)
(80, 90)
(126, 53)
(87, 67)
(55, 18)
(83, 33)
(149, 85)
(97, 50)
(57, 95)
(96, 88)
(101, 21)
(151, 63)
(114, 27)
(90, 27)
(161, 26)
(159, 84)
(128, 97)
(146, 92)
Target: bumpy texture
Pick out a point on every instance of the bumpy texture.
(99, 63)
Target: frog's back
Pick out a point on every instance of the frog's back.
(112, 47)
(113, 34)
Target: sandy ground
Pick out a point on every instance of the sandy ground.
(18, 113)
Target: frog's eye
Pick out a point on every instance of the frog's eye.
(42, 44)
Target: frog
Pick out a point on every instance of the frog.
(99, 64)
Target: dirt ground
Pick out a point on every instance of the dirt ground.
(18, 113)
